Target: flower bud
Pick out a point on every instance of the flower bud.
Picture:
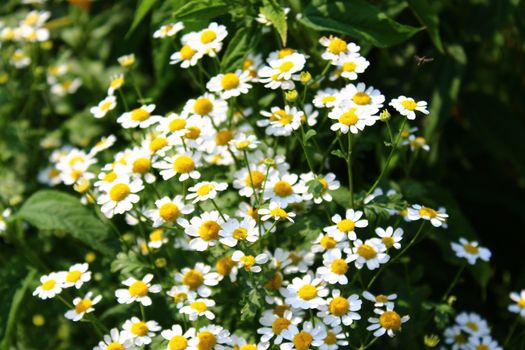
(431, 340)
(384, 116)
(305, 77)
(291, 95)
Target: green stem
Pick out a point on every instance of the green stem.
(217, 207)
(511, 331)
(454, 282)
(349, 168)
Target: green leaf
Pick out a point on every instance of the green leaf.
(55, 210)
(239, 47)
(358, 19)
(275, 14)
(128, 264)
(201, 10)
(428, 17)
(309, 134)
(143, 8)
(338, 153)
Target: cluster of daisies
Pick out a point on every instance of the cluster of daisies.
(470, 332)
(165, 184)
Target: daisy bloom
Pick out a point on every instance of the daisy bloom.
(351, 119)
(483, 343)
(470, 251)
(157, 239)
(250, 262)
(50, 285)
(305, 293)
(198, 308)
(210, 337)
(304, 339)
(168, 210)
(139, 332)
(68, 86)
(347, 225)
(205, 190)
(274, 325)
(198, 279)
(119, 196)
(77, 275)
(388, 322)
(407, 106)
(103, 107)
(115, 340)
(381, 300)
(390, 237)
(115, 83)
(337, 47)
(209, 40)
(246, 182)
(456, 337)
(275, 211)
(417, 143)
(205, 228)
(239, 343)
(327, 98)
(183, 164)
(519, 306)
(104, 143)
(340, 309)
(181, 295)
(244, 142)
(280, 72)
(436, 218)
(318, 187)
(284, 189)
(126, 60)
(230, 84)
(177, 338)
(329, 241)
(235, 231)
(351, 65)
(168, 30)
(363, 98)
(281, 122)
(473, 324)
(371, 253)
(208, 105)
(335, 267)
(3, 216)
(140, 117)
(137, 290)
(82, 307)
(187, 56)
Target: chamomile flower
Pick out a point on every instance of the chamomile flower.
(473, 324)
(181, 295)
(211, 337)
(197, 308)
(371, 253)
(67, 86)
(340, 309)
(483, 343)
(305, 293)
(470, 251)
(19, 59)
(205, 228)
(304, 339)
(417, 143)
(246, 182)
(335, 338)
(119, 196)
(334, 268)
(230, 84)
(302, 260)
(351, 65)
(139, 332)
(115, 83)
(77, 275)
(281, 122)
(126, 61)
(381, 300)
(205, 190)
(284, 190)
(336, 48)
(177, 338)
(328, 241)
(107, 104)
(519, 303)
(261, 18)
(407, 106)
(3, 216)
(50, 285)
(174, 123)
(250, 263)
(456, 338)
(209, 40)
(244, 142)
(318, 187)
(157, 239)
(137, 290)
(168, 30)
(326, 98)
(235, 231)
(198, 279)
(226, 267)
(104, 143)
(280, 72)
(82, 306)
(274, 324)
(115, 340)
(347, 225)
(436, 218)
(208, 105)
(183, 164)
(389, 321)
(168, 210)
(363, 98)
(349, 118)
(390, 237)
(139, 117)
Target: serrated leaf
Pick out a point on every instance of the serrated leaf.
(275, 14)
(143, 8)
(309, 134)
(55, 210)
(128, 264)
(240, 46)
(338, 153)
(201, 10)
(358, 19)
(428, 17)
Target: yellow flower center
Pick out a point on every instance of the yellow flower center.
(138, 289)
(141, 165)
(139, 114)
(409, 104)
(280, 324)
(473, 326)
(105, 105)
(388, 241)
(330, 338)
(248, 347)
(285, 52)
(280, 309)
(328, 99)
(349, 117)
(183, 164)
(328, 242)
(186, 52)
(307, 292)
(460, 338)
(339, 266)
(115, 346)
(337, 46)
(482, 347)
(324, 183)
(73, 276)
(471, 249)
(279, 212)
(282, 188)
(200, 306)
(390, 320)
(49, 284)
(208, 36)
(207, 340)
(361, 98)
(83, 305)
(240, 233)
(193, 279)
(203, 106)
(275, 282)
(366, 251)
(209, 230)
(109, 177)
(302, 340)
(177, 124)
(139, 328)
(158, 143)
(338, 306)
(521, 303)
(205, 189)
(427, 212)
(349, 66)
(248, 261)
(285, 118)
(286, 66)
(381, 298)
(230, 81)
(346, 225)
(177, 342)
(247, 64)
(156, 235)
(223, 137)
(117, 82)
(225, 265)
(257, 177)
(119, 192)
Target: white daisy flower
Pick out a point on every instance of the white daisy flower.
(351, 65)
(137, 290)
(139, 117)
(340, 309)
(473, 324)
(483, 343)
(329, 241)
(197, 308)
(317, 187)
(326, 98)
(183, 164)
(436, 218)
(305, 293)
(235, 231)
(280, 72)
(104, 143)
(519, 306)
(347, 225)
(115, 340)
(371, 253)
(107, 104)
(208, 105)
(126, 60)
(304, 339)
(198, 279)
(407, 105)
(3, 216)
(302, 260)
(157, 239)
(68, 86)
(249, 262)
(275, 211)
(205, 190)
(82, 306)
(177, 338)
(246, 181)
(284, 190)
(77, 275)
(417, 143)
(139, 332)
(281, 122)
(209, 40)
(187, 56)
(205, 228)
(274, 325)
(115, 83)
(182, 295)
(210, 337)
(230, 84)
(244, 142)
(470, 251)
(388, 322)
(390, 237)
(335, 267)
(337, 47)
(20, 59)
(50, 285)
(363, 98)
(381, 300)
(174, 123)
(351, 119)
(119, 196)
(168, 30)
(168, 210)
(456, 338)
